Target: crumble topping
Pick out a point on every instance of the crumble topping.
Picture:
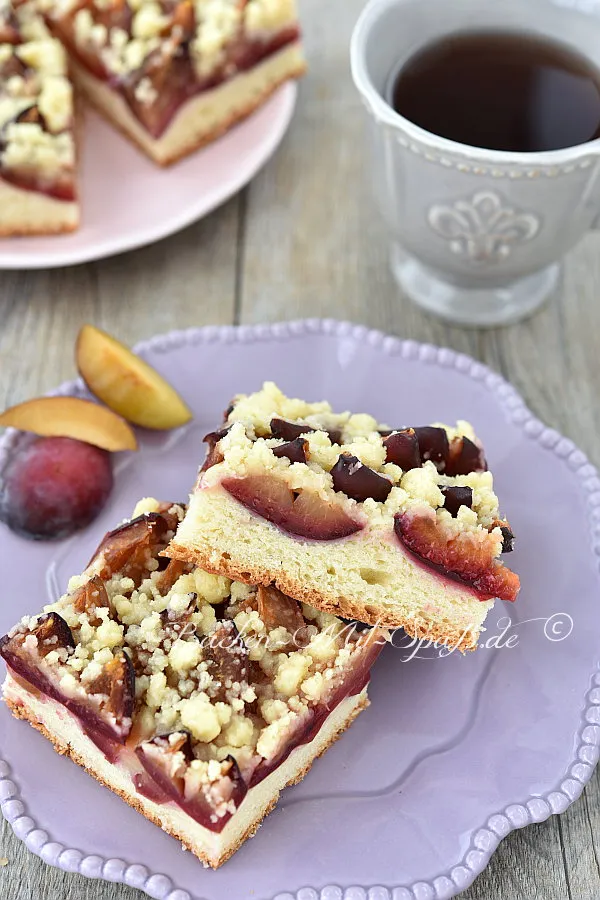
(230, 670)
(246, 447)
(127, 34)
(36, 99)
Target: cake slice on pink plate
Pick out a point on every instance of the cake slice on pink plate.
(173, 75)
(38, 191)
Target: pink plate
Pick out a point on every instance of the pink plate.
(127, 201)
(454, 752)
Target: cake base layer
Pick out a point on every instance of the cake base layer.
(64, 731)
(204, 117)
(367, 576)
(25, 212)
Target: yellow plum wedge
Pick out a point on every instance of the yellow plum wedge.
(126, 383)
(73, 418)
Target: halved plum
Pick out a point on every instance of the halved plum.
(169, 753)
(304, 514)
(353, 478)
(468, 557)
(170, 71)
(355, 678)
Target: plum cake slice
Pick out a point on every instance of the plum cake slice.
(397, 527)
(173, 75)
(37, 146)
(194, 698)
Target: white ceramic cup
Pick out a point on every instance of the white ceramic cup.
(476, 235)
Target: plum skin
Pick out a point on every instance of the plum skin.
(54, 486)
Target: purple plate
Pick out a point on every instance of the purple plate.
(454, 752)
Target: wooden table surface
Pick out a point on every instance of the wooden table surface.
(304, 240)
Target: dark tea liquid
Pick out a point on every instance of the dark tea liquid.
(501, 91)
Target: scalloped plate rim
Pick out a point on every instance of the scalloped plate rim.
(533, 809)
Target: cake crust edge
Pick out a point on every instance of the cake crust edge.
(338, 606)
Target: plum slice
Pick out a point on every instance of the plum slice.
(213, 455)
(90, 597)
(508, 538)
(169, 753)
(227, 657)
(277, 609)
(433, 445)
(358, 481)
(296, 451)
(32, 116)
(167, 578)
(468, 557)
(51, 633)
(402, 449)
(464, 457)
(128, 549)
(177, 624)
(117, 683)
(303, 514)
(289, 431)
(455, 497)
(9, 34)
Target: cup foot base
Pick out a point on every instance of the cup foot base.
(480, 308)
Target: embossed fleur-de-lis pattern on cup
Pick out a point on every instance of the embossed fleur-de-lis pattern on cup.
(483, 228)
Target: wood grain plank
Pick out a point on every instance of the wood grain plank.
(186, 280)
